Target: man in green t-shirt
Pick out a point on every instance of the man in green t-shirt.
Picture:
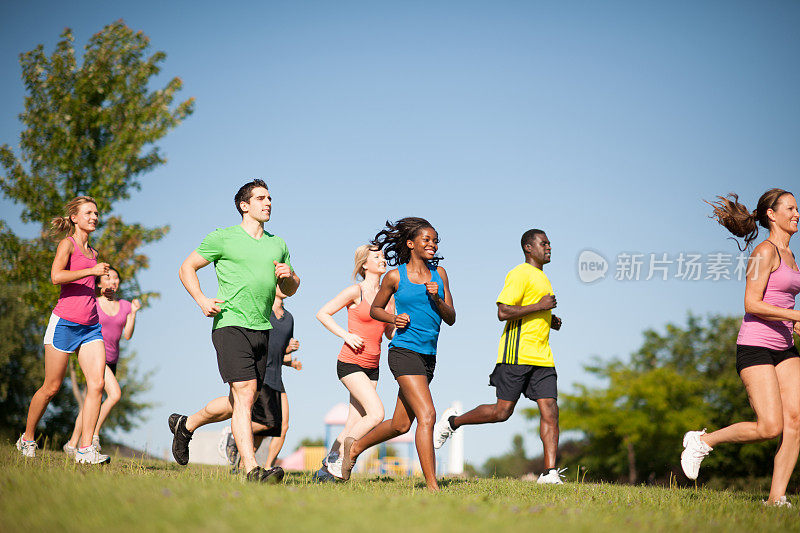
(249, 263)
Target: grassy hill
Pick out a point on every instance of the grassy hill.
(50, 493)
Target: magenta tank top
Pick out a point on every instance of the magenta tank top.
(111, 328)
(782, 287)
(77, 301)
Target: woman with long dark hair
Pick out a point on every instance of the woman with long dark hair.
(73, 327)
(766, 358)
(422, 299)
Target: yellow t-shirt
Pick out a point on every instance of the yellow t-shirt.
(526, 341)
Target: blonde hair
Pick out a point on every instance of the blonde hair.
(360, 259)
(65, 224)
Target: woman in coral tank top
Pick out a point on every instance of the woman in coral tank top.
(73, 327)
(357, 365)
(766, 357)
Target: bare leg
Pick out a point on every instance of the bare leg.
(788, 373)
(217, 410)
(763, 391)
(276, 443)
(487, 414)
(55, 366)
(92, 358)
(399, 424)
(363, 394)
(76, 431)
(243, 394)
(417, 395)
(113, 395)
(548, 430)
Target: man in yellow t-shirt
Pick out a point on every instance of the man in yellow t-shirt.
(524, 359)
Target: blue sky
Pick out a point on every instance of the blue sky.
(605, 124)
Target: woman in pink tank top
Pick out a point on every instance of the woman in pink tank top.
(73, 327)
(766, 357)
(117, 320)
(357, 364)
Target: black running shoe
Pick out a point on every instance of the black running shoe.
(180, 441)
(256, 474)
(323, 476)
(274, 475)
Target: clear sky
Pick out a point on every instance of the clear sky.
(603, 123)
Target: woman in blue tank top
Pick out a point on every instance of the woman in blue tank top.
(422, 300)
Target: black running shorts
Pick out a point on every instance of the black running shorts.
(757, 355)
(535, 382)
(344, 369)
(267, 411)
(405, 362)
(112, 367)
(241, 353)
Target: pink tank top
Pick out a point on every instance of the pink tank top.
(782, 287)
(77, 301)
(112, 327)
(360, 323)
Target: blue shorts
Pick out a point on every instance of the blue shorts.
(66, 336)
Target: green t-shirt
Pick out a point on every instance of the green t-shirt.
(245, 274)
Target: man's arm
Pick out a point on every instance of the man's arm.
(288, 280)
(513, 312)
(188, 276)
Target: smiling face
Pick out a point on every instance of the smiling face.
(110, 280)
(375, 263)
(785, 215)
(259, 207)
(539, 248)
(425, 244)
(86, 217)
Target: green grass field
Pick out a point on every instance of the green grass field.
(52, 493)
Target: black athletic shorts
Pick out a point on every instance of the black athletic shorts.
(405, 362)
(343, 369)
(267, 411)
(241, 353)
(535, 382)
(757, 355)
(112, 367)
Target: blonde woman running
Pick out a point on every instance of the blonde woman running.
(74, 327)
(357, 365)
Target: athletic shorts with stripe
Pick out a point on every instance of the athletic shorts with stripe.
(535, 382)
(66, 336)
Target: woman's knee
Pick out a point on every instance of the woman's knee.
(791, 422)
(50, 389)
(114, 395)
(769, 429)
(95, 384)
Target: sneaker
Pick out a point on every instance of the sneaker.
(334, 468)
(274, 475)
(442, 429)
(256, 474)
(96, 442)
(27, 447)
(227, 446)
(346, 462)
(694, 451)
(332, 457)
(180, 442)
(70, 450)
(781, 502)
(552, 477)
(91, 456)
(323, 476)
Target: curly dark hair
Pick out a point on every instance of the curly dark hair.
(392, 240)
(737, 219)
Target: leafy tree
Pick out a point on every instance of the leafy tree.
(89, 129)
(682, 379)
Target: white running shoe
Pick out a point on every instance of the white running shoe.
(334, 468)
(91, 457)
(552, 477)
(27, 447)
(222, 445)
(96, 442)
(442, 429)
(70, 450)
(694, 451)
(782, 502)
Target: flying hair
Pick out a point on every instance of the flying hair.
(740, 221)
(65, 224)
(392, 240)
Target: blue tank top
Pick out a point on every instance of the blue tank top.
(422, 333)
